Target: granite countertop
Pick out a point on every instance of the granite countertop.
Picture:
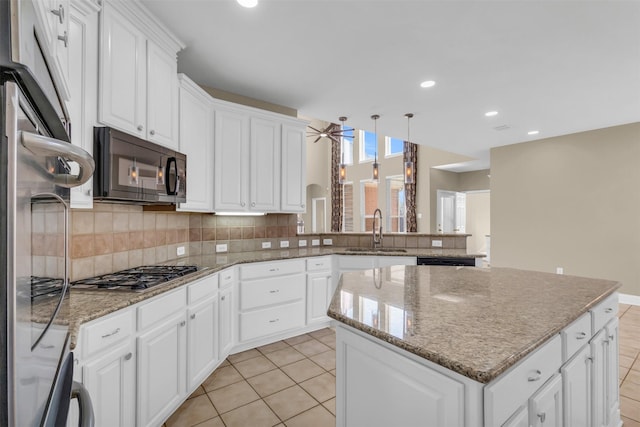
(86, 305)
(477, 322)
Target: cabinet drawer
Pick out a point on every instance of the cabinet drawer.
(106, 332)
(261, 323)
(504, 395)
(319, 263)
(202, 289)
(227, 277)
(575, 336)
(258, 293)
(603, 312)
(271, 269)
(159, 309)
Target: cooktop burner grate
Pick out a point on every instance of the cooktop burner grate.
(136, 279)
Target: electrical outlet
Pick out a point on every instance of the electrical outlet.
(327, 241)
(436, 243)
(222, 247)
(180, 251)
(284, 243)
(302, 243)
(559, 270)
(315, 242)
(266, 245)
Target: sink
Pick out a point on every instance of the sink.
(375, 250)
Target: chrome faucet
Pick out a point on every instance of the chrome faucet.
(377, 240)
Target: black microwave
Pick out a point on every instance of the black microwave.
(130, 169)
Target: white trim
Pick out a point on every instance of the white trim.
(629, 299)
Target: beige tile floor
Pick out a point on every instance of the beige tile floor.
(292, 383)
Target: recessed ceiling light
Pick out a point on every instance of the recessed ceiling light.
(247, 3)
(491, 113)
(428, 83)
(533, 132)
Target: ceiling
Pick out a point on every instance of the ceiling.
(558, 67)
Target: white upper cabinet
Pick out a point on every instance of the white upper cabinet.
(294, 168)
(265, 165)
(255, 152)
(138, 90)
(230, 159)
(196, 141)
(83, 84)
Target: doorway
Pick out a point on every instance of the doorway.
(451, 211)
(319, 215)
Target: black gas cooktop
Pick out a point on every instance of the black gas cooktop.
(135, 279)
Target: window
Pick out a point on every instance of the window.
(347, 206)
(396, 209)
(368, 146)
(347, 145)
(368, 204)
(393, 146)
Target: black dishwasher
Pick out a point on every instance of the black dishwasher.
(446, 260)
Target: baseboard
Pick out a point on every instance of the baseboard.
(629, 299)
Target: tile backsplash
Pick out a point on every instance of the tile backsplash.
(112, 237)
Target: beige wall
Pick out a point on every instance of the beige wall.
(478, 220)
(571, 202)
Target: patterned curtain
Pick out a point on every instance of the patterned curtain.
(411, 155)
(336, 189)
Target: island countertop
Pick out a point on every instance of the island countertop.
(476, 322)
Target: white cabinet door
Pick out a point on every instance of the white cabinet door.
(264, 188)
(576, 381)
(598, 379)
(319, 293)
(161, 370)
(196, 141)
(110, 381)
(519, 419)
(226, 323)
(54, 18)
(231, 160)
(83, 86)
(545, 407)
(294, 169)
(202, 341)
(123, 76)
(162, 97)
(611, 368)
(376, 386)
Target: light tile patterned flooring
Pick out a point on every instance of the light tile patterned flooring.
(292, 383)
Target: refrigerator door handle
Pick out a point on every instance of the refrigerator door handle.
(41, 145)
(86, 418)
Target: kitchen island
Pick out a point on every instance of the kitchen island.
(442, 346)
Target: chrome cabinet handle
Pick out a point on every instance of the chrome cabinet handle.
(274, 269)
(183, 323)
(536, 377)
(302, 205)
(611, 337)
(41, 145)
(274, 320)
(274, 291)
(581, 335)
(111, 334)
(64, 38)
(193, 316)
(542, 416)
(243, 204)
(608, 310)
(253, 204)
(227, 278)
(222, 298)
(152, 132)
(140, 127)
(59, 13)
(128, 356)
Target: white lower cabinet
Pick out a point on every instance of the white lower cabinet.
(519, 419)
(319, 293)
(161, 370)
(545, 407)
(226, 316)
(576, 382)
(202, 341)
(111, 383)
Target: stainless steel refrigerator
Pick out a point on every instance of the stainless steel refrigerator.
(36, 365)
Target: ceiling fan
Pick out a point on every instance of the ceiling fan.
(334, 132)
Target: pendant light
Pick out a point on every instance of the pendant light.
(342, 172)
(409, 170)
(376, 166)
